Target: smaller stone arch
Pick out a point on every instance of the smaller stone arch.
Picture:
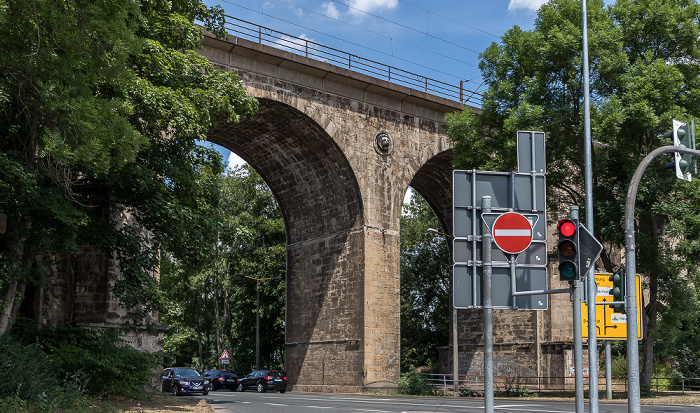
(433, 181)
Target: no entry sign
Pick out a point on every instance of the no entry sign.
(512, 233)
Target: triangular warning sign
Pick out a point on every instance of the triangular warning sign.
(224, 355)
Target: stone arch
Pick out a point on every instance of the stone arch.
(302, 164)
(433, 181)
(321, 204)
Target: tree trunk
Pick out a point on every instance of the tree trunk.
(15, 246)
(8, 308)
(217, 323)
(228, 327)
(199, 330)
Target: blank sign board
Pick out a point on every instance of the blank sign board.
(526, 279)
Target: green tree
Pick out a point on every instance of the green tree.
(644, 72)
(425, 315)
(210, 308)
(100, 107)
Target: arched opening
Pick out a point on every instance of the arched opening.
(320, 200)
(426, 302)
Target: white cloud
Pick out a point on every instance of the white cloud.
(408, 196)
(330, 10)
(369, 6)
(293, 44)
(532, 5)
(234, 161)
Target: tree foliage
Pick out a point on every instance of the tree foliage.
(425, 315)
(100, 107)
(644, 71)
(211, 308)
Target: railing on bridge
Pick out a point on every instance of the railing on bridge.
(519, 384)
(317, 51)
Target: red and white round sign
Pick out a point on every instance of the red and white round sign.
(512, 233)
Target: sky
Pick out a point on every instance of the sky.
(438, 39)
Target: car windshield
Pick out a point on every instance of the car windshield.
(185, 373)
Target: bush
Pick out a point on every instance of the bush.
(415, 384)
(90, 361)
(26, 372)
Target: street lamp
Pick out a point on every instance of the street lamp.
(455, 341)
(436, 232)
(257, 312)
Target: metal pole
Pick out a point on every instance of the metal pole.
(257, 325)
(513, 285)
(592, 288)
(488, 311)
(633, 396)
(455, 350)
(608, 371)
(578, 336)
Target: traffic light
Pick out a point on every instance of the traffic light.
(682, 137)
(568, 247)
(618, 290)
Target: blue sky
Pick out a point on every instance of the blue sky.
(439, 39)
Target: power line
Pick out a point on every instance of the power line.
(406, 27)
(262, 12)
(450, 19)
(357, 44)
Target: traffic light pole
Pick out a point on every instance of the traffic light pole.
(578, 334)
(634, 404)
(589, 283)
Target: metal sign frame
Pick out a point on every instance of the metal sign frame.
(509, 192)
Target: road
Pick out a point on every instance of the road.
(251, 402)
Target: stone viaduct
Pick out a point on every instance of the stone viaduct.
(339, 149)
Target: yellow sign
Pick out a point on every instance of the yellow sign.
(610, 325)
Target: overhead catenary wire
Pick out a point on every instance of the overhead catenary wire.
(375, 50)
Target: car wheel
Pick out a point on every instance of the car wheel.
(282, 391)
(175, 390)
(240, 387)
(261, 388)
(204, 393)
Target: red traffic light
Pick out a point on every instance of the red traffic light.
(566, 227)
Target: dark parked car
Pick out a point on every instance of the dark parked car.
(183, 380)
(263, 380)
(222, 379)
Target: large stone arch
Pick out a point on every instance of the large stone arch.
(316, 138)
(322, 208)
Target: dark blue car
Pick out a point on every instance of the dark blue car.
(184, 380)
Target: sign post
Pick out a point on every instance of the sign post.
(225, 359)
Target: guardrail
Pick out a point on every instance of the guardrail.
(520, 384)
(321, 53)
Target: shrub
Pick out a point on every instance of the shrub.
(27, 374)
(415, 384)
(90, 361)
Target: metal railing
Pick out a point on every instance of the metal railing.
(521, 384)
(321, 53)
